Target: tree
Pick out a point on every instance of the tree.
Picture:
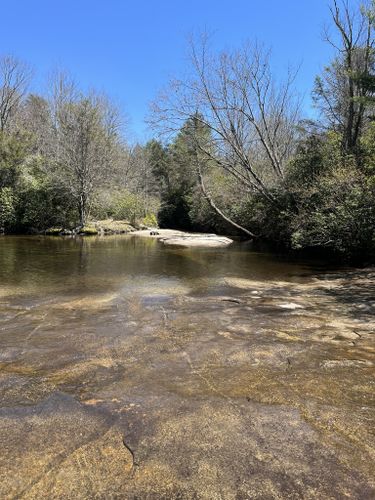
(14, 149)
(35, 117)
(251, 118)
(368, 80)
(86, 143)
(342, 92)
(174, 170)
(7, 207)
(157, 159)
(14, 80)
(335, 197)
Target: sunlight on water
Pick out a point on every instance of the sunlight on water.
(176, 351)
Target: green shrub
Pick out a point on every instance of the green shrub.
(7, 207)
(124, 205)
(150, 220)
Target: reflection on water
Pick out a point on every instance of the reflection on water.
(204, 353)
(35, 266)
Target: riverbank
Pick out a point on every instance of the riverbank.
(169, 237)
(95, 228)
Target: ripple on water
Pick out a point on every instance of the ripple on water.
(215, 367)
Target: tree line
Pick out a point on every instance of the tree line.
(232, 151)
(263, 168)
(63, 157)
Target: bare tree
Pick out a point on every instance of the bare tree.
(251, 117)
(34, 117)
(14, 80)
(86, 144)
(341, 92)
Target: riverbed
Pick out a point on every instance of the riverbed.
(130, 369)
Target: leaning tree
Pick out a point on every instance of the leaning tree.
(251, 117)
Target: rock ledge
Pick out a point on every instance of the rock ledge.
(181, 239)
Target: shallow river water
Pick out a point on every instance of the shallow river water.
(132, 370)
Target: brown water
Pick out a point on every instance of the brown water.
(130, 370)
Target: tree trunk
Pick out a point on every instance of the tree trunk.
(82, 210)
(217, 209)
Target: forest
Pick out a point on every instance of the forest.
(232, 150)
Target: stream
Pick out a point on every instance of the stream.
(132, 370)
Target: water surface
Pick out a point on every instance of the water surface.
(132, 370)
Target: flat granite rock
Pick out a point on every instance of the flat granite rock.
(213, 241)
(60, 448)
(156, 373)
(181, 239)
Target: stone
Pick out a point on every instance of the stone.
(291, 306)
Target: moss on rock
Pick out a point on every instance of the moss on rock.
(89, 231)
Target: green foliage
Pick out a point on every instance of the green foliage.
(157, 156)
(202, 216)
(42, 203)
(339, 213)
(174, 211)
(150, 220)
(327, 201)
(174, 169)
(14, 149)
(368, 152)
(125, 205)
(7, 207)
(62, 164)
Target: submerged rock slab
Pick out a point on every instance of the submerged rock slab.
(132, 371)
(61, 449)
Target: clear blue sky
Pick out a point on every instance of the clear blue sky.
(129, 49)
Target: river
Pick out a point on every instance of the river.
(132, 370)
